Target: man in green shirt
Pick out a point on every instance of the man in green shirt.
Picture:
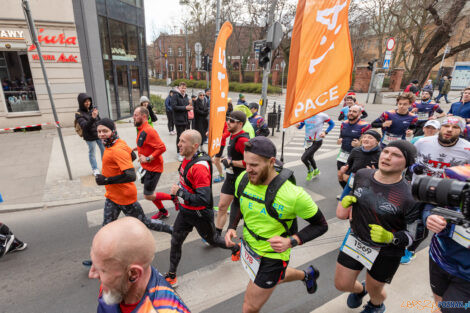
(268, 234)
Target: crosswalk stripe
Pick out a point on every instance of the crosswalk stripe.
(298, 154)
(318, 158)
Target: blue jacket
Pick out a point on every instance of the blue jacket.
(460, 109)
(168, 104)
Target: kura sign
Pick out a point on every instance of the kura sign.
(60, 39)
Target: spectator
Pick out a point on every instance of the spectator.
(180, 107)
(241, 100)
(462, 108)
(145, 102)
(429, 87)
(413, 87)
(201, 112)
(192, 102)
(169, 114)
(87, 116)
(445, 90)
(257, 121)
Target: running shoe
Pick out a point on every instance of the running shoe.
(171, 279)
(8, 241)
(310, 280)
(355, 299)
(161, 215)
(19, 247)
(369, 308)
(309, 176)
(236, 254)
(96, 172)
(219, 179)
(406, 259)
(204, 241)
(316, 172)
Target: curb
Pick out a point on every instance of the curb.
(9, 208)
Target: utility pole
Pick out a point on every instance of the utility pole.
(34, 38)
(267, 68)
(186, 50)
(161, 61)
(372, 76)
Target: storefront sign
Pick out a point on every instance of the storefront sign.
(9, 34)
(60, 39)
(121, 54)
(61, 59)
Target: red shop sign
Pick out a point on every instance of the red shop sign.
(60, 39)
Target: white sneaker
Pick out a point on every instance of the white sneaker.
(96, 172)
(8, 242)
(180, 158)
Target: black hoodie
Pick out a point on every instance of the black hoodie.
(85, 119)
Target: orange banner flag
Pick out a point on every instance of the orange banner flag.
(320, 61)
(219, 90)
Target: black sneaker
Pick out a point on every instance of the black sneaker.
(355, 299)
(310, 280)
(369, 308)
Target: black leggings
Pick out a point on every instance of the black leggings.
(203, 220)
(171, 124)
(179, 130)
(307, 157)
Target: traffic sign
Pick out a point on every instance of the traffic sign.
(390, 44)
(386, 64)
(274, 35)
(198, 48)
(258, 44)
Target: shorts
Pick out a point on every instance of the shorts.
(150, 181)
(383, 269)
(228, 187)
(221, 151)
(270, 272)
(451, 288)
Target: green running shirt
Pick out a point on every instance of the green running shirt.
(290, 201)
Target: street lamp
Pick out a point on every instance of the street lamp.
(283, 66)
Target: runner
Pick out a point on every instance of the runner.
(449, 257)
(223, 142)
(118, 177)
(150, 149)
(462, 108)
(194, 191)
(268, 240)
(435, 153)
(430, 128)
(233, 164)
(349, 101)
(399, 123)
(314, 135)
(351, 131)
(426, 109)
(381, 209)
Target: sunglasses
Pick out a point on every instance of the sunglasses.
(232, 120)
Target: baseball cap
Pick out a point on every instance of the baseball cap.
(254, 105)
(261, 146)
(433, 123)
(239, 116)
(454, 120)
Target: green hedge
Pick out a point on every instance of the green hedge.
(158, 104)
(156, 81)
(233, 86)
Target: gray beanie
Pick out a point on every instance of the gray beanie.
(144, 99)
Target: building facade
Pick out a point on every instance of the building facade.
(97, 47)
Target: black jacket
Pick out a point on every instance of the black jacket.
(85, 120)
(178, 105)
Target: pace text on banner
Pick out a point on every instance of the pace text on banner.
(219, 90)
(320, 62)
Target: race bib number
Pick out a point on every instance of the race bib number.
(250, 260)
(461, 235)
(343, 156)
(351, 180)
(423, 116)
(359, 250)
(308, 144)
(388, 138)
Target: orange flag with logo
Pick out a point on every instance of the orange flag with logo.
(320, 61)
(219, 90)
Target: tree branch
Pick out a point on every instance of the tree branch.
(431, 9)
(453, 51)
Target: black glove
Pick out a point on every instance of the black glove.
(417, 168)
(100, 179)
(226, 163)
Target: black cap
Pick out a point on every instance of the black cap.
(254, 105)
(373, 133)
(107, 122)
(239, 116)
(408, 150)
(261, 146)
(415, 81)
(207, 89)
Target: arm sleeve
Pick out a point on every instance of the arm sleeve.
(153, 117)
(341, 116)
(175, 106)
(365, 128)
(331, 125)
(83, 122)
(301, 125)
(157, 145)
(126, 177)
(201, 180)
(317, 226)
(413, 123)
(438, 109)
(240, 145)
(379, 121)
(364, 114)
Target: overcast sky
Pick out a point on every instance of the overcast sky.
(161, 15)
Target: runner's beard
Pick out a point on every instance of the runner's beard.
(450, 141)
(263, 175)
(112, 297)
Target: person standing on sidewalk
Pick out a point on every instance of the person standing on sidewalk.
(268, 236)
(118, 177)
(145, 102)
(195, 202)
(201, 112)
(445, 90)
(314, 135)
(383, 219)
(169, 113)
(180, 107)
(150, 149)
(87, 116)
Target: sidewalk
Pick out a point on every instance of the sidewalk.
(33, 172)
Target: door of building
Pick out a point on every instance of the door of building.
(128, 87)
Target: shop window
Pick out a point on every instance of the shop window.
(17, 82)
(124, 42)
(170, 52)
(180, 52)
(104, 37)
(180, 67)
(172, 68)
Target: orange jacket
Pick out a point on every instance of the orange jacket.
(149, 143)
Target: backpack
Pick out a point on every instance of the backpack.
(271, 191)
(78, 128)
(201, 156)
